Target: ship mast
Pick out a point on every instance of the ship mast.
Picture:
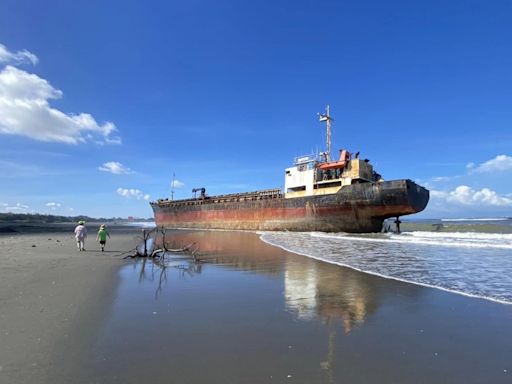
(328, 119)
(172, 185)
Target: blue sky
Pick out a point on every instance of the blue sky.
(100, 102)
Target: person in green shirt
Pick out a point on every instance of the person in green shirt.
(102, 236)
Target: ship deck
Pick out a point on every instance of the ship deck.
(264, 194)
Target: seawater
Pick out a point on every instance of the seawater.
(471, 263)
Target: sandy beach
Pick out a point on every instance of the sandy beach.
(247, 312)
(47, 290)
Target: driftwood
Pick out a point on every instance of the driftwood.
(187, 263)
(144, 249)
(160, 252)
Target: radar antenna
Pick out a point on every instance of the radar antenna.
(327, 118)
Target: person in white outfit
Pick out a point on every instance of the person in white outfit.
(80, 235)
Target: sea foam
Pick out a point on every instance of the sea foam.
(442, 239)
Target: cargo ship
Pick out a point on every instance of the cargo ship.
(320, 194)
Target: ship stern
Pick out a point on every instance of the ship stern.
(417, 195)
(401, 197)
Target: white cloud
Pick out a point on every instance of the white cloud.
(499, 163)
(464, 195)
(53, 206)
(115, 168)
(434, 194)
(20, 57)
(440, 178)
(18, 208)
(135, 193)
(177, 184)
(25, 108)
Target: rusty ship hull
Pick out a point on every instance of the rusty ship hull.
(355, 208)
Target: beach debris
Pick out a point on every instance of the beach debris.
(156, 268)
(183, 258)
(438, 227)
(146, 248)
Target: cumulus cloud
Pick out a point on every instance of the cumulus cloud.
(177, 184)
(25, 109)
(464, 195)
(115, 168)
(53, 206)
(16, 58)
(499, 163)
(132, 193)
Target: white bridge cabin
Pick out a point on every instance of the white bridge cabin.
(309, 176)
(312, 176)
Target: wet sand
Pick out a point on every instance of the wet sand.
(247, 313)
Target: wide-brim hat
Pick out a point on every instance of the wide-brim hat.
(81, 222)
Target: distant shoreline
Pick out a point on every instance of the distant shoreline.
(42, 227)
(38, 218)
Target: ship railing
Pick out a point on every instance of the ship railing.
(234, 197)
(305, 159)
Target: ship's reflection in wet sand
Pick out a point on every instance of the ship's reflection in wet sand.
(248, 312)
(314, 290)
(311, 289)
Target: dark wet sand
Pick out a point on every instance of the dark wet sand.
(249, 313)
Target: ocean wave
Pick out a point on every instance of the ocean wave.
(480, 219)
(441, 239)
(142, 224)
(479, 273)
